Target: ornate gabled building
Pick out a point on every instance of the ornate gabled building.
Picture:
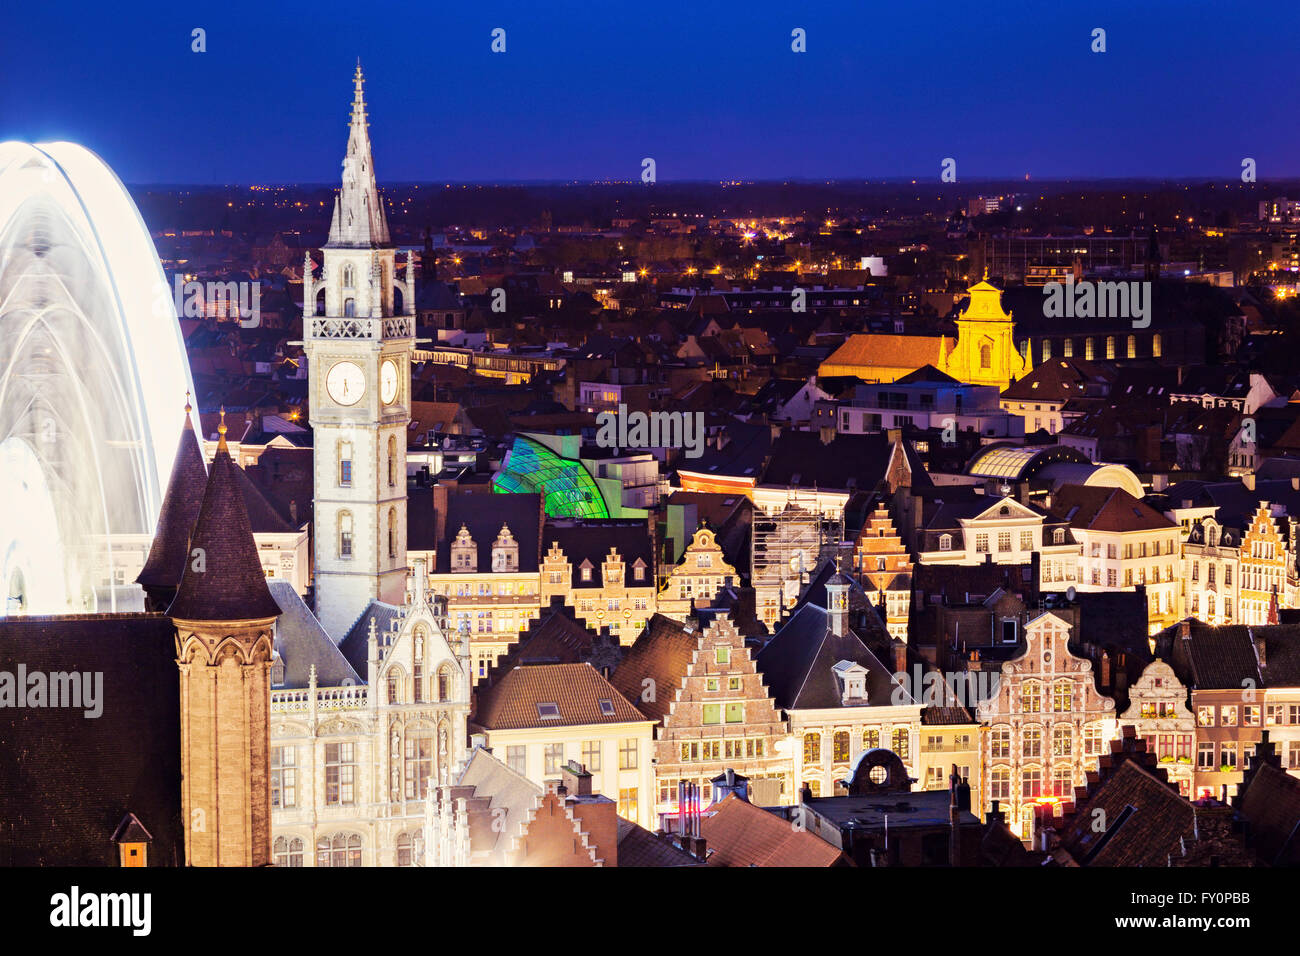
(353, 761)
(713, 710)
(1268, 566)
(1044, 728)
(697, 578)
(604, 569)
(1158, 710)
(884, 569)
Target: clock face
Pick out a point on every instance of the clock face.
(346, 383)
(388, 382)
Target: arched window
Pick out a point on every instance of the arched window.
(288, 852)
(392, 461)
(1089, 352)
(345, 534)
(1132, 344)
(444, 684)
(343, 849)
(1110, 346)
(392, 532)
(1047, 349)
(410, 847)
(986, 356)
(945, 542)
(812, 748)
(345, 464)
(840, 747)
(418, 762)
(349, 308)
(870, 738)
(349, 277)
(1058, 536)
(394, 686)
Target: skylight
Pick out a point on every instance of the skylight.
(548, 710)
(606, 706)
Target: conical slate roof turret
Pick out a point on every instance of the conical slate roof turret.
(223, 579)
(180, 509)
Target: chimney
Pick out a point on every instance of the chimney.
(1185, 630)
(1248, 481)
(900, 657)
(1121, 675)
(729, 782)
(575, 779)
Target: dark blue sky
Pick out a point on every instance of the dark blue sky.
(710, 90)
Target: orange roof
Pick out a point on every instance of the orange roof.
(741, 834)
(872, 350)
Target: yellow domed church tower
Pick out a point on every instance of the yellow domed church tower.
(986, 352)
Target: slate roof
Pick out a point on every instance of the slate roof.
(231, 585)
(67, 782)
(741, 834)
(638, 847)
(510, 795)
(1211, 658)
(591, 539)
(803, 460)
(512, 702)
(180, 509)
(355, 644)
(301, 642)
(483, 514)
(797, 664)
(661, 653)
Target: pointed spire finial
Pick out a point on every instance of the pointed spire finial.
(221, 432)
(188, 407)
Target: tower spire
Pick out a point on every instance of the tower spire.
(359, 220)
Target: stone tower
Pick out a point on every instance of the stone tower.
(986, 352)
(358, 328)
(223, 615)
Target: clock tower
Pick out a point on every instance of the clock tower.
(358, 336)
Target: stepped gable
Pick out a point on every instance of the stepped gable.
(225, 582)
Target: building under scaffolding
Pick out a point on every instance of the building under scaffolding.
(787, 547)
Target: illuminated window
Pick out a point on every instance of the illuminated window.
(870, 738)
(1033, 741)
(591, 751)
(418, 761)
(812, 748)
(1000, 784)
(1110, 346)
(629, 754)
(840, 747)
(1000, 742)
(1088, 352)
(1132, 346)
(1062, 740)
(1031, 697)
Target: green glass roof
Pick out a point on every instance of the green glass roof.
(566, 487)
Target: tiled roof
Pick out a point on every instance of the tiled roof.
(1146, 821)
(661, 654)
(1270, 803)
(872, 350)
(519, 698)
(803, 460)
(225, 582)
(740, 834)
(1098, 508)
(1211, 658)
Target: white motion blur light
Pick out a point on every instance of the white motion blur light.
(93, 376)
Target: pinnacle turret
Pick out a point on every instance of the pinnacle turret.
(359, 220)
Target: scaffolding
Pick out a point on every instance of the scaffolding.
(786, 549)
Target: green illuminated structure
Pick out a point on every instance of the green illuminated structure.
(566, 487)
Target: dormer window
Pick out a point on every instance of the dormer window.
(945, 542)
(505, 551)
(585, 570)
(1058, 536)
(464, 553)
(638, 570)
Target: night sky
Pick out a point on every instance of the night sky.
(709, 90)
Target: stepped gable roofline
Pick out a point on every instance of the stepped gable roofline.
(180, 509)
(223, 578)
